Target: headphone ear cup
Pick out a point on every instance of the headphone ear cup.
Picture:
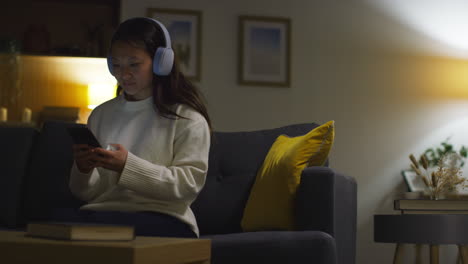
(163, 61)
(109, 64)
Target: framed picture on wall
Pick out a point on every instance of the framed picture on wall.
(184, 27)
(413, 181)
(264, 51)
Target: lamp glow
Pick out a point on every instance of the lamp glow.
(98, 93)
(444, 21)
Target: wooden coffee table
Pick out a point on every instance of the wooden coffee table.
(15, 247)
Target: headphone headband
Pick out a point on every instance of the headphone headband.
(164, 29)
(163, 59)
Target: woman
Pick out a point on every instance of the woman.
(158, 135)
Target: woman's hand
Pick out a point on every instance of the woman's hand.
(85, 158)
(111, 159)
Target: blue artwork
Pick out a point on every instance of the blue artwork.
(265, 51)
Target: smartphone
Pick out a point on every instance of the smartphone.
(82, 135)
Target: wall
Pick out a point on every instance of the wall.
(392, 89)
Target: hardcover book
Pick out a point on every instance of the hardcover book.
(80, 231)
(436, 205)
(434, 212)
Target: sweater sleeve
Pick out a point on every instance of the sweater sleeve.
(183, 179)
(85, 186)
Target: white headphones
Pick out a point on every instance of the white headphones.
(163, 59)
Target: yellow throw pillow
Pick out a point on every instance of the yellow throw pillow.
(270, 204)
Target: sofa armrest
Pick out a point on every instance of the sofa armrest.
(16, 146)
(327, 201)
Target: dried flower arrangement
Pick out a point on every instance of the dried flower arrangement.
(445, 178)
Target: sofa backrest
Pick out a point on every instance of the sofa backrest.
(46, 185)
(16, 144)
(234, 160)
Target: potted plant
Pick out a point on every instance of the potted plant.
(434, 154)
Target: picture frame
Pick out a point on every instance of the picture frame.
(264, 51)
(413, 181)
(184, 27)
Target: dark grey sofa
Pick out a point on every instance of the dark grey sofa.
(35, 167)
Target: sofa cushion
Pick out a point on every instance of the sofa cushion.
(17, 143)
(234, 160)
(270, 204)
(273, 247)
(47, 184)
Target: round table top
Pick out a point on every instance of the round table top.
(421, 228)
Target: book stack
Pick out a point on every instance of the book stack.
(425, 206)
(80, 231)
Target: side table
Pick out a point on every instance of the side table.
(432, 229)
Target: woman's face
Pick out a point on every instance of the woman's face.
(133, 69)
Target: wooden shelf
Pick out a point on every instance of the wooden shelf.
(65, 27)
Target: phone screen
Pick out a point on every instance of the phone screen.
(82, 135)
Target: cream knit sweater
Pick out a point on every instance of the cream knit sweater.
(166, 165)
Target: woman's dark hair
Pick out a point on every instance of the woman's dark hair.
(167, 90)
